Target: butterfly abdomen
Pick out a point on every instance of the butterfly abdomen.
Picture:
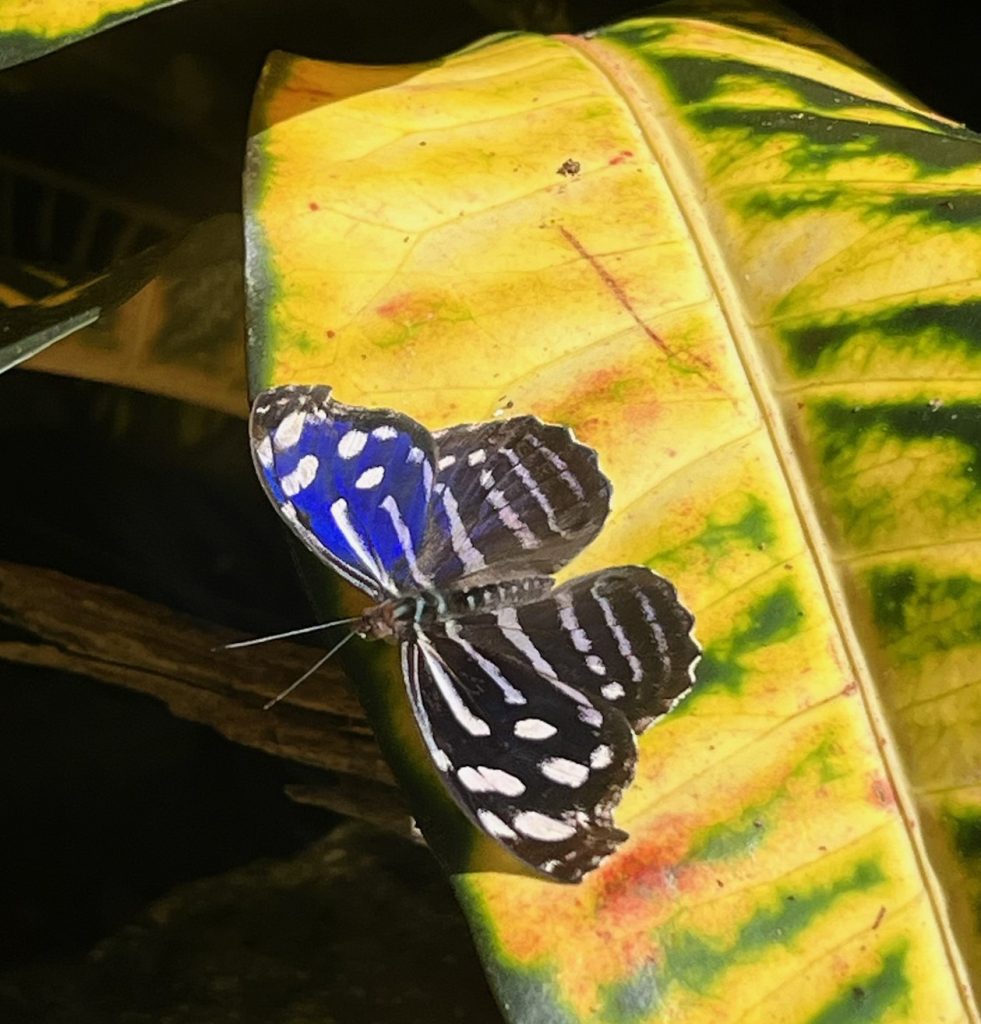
(397, 618)
(491, 596)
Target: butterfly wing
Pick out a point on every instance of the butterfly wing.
(629, 632)
(512, 498)
(353, 484)
(533, 761)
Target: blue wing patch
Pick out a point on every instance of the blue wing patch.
(354, 484)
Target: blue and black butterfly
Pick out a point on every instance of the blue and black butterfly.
(528, 696)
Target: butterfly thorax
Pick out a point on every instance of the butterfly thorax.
(397, 618)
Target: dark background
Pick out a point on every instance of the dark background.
(106, 800)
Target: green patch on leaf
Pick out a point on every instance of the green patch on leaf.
(787, 203)
(846, 425)
(965, 830)
(772, 619)
(633, 1000)
(943, 210)
(922, 331)
(827, 142)
(918, 613)
(730, 839)
(696, 963)
(698, 80)
(635, 35)
(529, 993)
(742, 836)
(752, 526)
(948, 211)
(870, 997)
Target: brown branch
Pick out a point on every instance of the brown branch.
(106, 634)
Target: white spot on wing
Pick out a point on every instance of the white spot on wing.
(590, 715)
(390, 505)
(340, 516)
(623, 643)
(385, 432)
(535, 825)
(490, 780)
(595, 665)
(415, 454)
(601, 757)
(447, 688)
(612, 691)
(533, 729)
(410, 672)
(288, 432)
(512, 695)
(524, 475)
(351, 444)
(301, 477)
(446, 461)
(507, 619)
(512, 520)
(569, 622)
(370, 478)
(561, 465)
(463, 547)
(660, 640)
(564, 771)
(495, 826)
(476, 457)
(264, 452)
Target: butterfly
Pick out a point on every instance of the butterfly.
(527, 695)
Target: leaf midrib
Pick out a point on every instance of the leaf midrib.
(638, 104)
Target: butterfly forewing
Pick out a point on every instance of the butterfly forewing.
(533, 762)
(354, 484)
(512, 497)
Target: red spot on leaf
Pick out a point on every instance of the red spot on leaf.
(394, 306)
(881, 793)
(329, 333)
(624, 154)
(314, 206)
(850, 689)
(647, 874)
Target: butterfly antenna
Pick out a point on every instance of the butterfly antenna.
(309, 672)
(283, 636)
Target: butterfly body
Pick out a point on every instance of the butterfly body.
(397, 619)
(528, 696)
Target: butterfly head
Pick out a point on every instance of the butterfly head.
(394, 620)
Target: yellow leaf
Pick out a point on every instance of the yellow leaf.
(745, 271)
(30, 28)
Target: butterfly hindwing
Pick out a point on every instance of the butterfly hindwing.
(533, 761)
(628, 634)
(512, 497)
(354, 484)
